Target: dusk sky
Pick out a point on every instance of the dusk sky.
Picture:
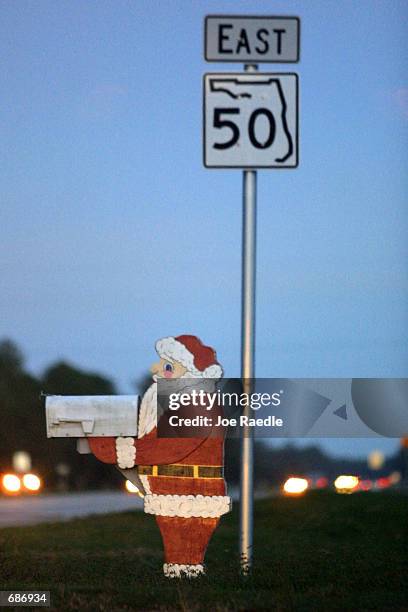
(113, 234)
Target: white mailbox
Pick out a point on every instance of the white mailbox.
(82, 416)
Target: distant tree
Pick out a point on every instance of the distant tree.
(11, 358)
(65, 379)
(20, 423)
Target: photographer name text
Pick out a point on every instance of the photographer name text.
(242, 421)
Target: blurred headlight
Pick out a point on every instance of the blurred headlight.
(295, 486)
(31, 482)
(346, 484)
(11, 483)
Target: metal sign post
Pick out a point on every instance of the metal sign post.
(247, 360)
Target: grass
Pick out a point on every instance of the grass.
(319, 552)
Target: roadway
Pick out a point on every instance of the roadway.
(31, 510)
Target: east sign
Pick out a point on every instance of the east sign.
(244, 39)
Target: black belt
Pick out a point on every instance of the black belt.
(182, 471)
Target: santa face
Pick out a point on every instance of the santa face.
(166, 368)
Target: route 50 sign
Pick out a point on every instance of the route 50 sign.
(251, 120)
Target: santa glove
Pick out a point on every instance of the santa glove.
(125, 453)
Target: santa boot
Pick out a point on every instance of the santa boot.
(185, 541)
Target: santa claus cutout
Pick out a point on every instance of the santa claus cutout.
(182, 478)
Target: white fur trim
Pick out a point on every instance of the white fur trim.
(175, 350)
(213, 371)
(187, 506)
(182, 570)
(125, 452)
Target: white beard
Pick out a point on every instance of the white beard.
(150, 411)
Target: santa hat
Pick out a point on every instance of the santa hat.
(200, 360)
